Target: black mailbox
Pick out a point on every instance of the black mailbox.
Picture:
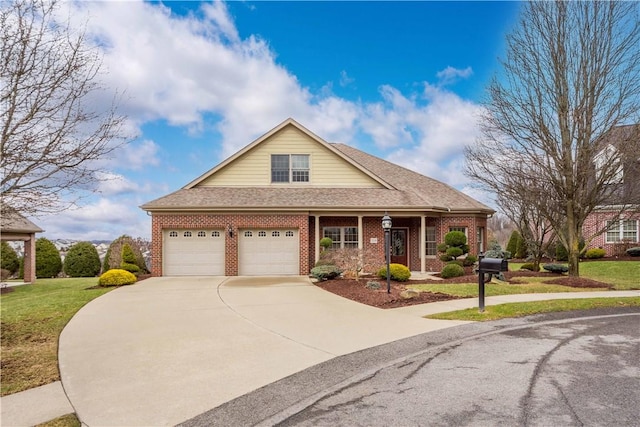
(493, 265)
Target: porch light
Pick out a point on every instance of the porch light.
(230, 230)
(386, 226)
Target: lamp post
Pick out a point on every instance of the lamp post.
(386, 226)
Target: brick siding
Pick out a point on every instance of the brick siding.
(597, 221)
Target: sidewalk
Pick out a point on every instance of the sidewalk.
(45, 403)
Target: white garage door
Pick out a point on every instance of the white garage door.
(264, 252)
(193, 253)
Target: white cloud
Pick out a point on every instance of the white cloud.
(111, 184)
(451, 75)
(186, 69)
(104, 219)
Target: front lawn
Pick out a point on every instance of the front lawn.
(622, 275)
(33, 317)
(520, 309)
(533, 285)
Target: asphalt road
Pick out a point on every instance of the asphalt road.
(563, 369)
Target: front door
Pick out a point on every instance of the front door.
(399, 246)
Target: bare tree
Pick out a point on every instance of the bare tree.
(51, 134)
(571, 76)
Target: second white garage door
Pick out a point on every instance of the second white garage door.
(264, 252)
(193, 253)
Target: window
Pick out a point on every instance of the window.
(173, 234)
(480, 240)
(187, 234)
(342, 237)
(262, 234)
(463, 229)
(289, 168)
(202, 234)
(275, 234)
(248, 234)
(431, 242)
(289, 234)
(215, 234)
(626, 229)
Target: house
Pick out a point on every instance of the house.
(619, 214)
(15, 227)
(264, 210)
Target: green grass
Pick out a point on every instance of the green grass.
(501, 311)
(623, 275)
(69, 420)
(533, 285)
(33, 317)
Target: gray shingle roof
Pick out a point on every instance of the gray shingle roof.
(13, 222)
(411, 191)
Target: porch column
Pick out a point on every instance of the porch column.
(317, 237)
(30, 259)
(423, 244)
(360, 233)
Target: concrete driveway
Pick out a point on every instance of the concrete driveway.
(167, 349)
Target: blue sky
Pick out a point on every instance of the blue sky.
(198, 81)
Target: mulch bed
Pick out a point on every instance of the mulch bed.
(355, 289)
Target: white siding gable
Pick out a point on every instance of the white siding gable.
(253, 168)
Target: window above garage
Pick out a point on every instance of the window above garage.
(289, 168)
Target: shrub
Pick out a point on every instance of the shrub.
(9, 259)
(82, 260)
(398, 272)
(452, 270)
(455, 245)
(529, 266)
(131, 268)
(455, 238)
(469, 260)
(595, 253)
(633, 251)
(556, 268)
(325, 272)
(457, 262)
(561, 252)
(116, 277)
(4, 274)
(521, 248)
(512, 245)
(48, 262)
(113, 257)
(326, 242)
(372, 284)
(454, 252)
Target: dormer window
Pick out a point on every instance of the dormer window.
(286, 168)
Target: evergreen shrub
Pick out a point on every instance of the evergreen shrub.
(48, 261)
(398, 272)
(556, 268)
(9, 259)
(82, 260)
(595, 253)
(117, 277)
(325, 272)
(451, 270)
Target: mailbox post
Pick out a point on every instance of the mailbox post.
(488, 265)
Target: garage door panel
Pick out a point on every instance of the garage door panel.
(269, 252)
(193, 253)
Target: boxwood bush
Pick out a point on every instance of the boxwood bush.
(595, 253)
(633, 251)
(556, 268)
(529, 266)
(398, 272)
(452, 270)
(116, 277)
(325, 272)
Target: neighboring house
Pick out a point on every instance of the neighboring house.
(15, 227)
(264, 210)
(622, 145)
